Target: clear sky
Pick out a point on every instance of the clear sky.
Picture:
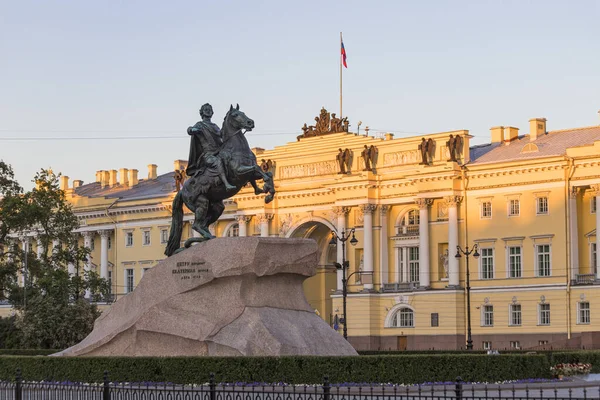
(105, 69)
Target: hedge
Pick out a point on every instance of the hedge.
(309, 370)
(585, 356)
(27, 352)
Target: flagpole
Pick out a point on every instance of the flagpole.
(341, 59)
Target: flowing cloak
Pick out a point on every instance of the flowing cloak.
(208, 140)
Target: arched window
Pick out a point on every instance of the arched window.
(409, 223)
(404, 318)
(411, 218)
(233, 231)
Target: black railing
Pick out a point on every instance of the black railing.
(23, 390)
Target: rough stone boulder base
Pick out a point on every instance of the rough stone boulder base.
(223, 297)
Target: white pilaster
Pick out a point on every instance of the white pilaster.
(242, 221)
(383, 245)
(39, 249)
(341, 213)
(367, 210)
(574, 250)
(596, 188)
(71, 266)
(104, 235)
(25, 250)
(424, 270)
(87, 242)
(453, 271)
(264, 224)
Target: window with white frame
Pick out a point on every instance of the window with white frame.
(542, 205)
(410, 223)
(543, 267)
(594, 256)
(404, 318)
(583, 312)
(110, 287)
(515, 267)
(109, 242)
(516, 345)
(514, 208)
(544, 314)
(233, 231)
(435, 319)
(487, 263)
(593, 205)
(128, 239)
(487, 317)
(515, 315)
(413, 264)
(486, 209)
(129, 280)
(542, 342)
(92, 244)
(412, 217)
(486, 345)
(146, 238)
(164, 236)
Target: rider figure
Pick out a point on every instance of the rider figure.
(205, 144)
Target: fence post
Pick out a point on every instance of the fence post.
(18, 386)
(458, 389)
(213, 387)
(106, 389)
(326, 388)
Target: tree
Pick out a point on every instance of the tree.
(50, 307)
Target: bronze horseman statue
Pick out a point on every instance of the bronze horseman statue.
(220, 164)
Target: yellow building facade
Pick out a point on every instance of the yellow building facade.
(528, 201)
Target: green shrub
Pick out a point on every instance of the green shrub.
(27, 352)
(309, 370)
(573, 357)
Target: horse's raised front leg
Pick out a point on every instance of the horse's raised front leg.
(257, 190)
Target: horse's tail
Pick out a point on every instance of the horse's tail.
(176, 226)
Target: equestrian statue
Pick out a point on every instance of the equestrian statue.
(219, 165)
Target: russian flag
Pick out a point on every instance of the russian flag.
(344, 55)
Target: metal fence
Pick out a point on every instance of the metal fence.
(23, 390)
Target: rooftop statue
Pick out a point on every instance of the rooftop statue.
(325, 123)
(220, 164)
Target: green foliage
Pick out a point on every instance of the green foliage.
(27, 352)
(10, 335)
(309, 370)
(49, 313)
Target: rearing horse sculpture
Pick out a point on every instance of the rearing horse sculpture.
(204, 195)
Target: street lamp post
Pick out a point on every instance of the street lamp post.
(335, 237)
(467, 253)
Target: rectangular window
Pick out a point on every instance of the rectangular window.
(515, 345)
(543, 259)
(164, 236)
(583, 315)
(515, 315)
(514, 208)
(92, 244)
(487, 263)
(542, 205)
(128, 239)
(110, 282)
(488, 316)
(593, 205)
(486, 345)
(515, 269)
(413, 264)
(109, 242)
(544, 317)
(594, 257)
(435, 319)
(486, 209)
(146, 238)
(542, 342)
(128, 280)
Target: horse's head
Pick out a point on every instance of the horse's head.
(236, 120)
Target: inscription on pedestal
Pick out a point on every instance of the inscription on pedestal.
(189, 270)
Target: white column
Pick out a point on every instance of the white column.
(71, 267)
(264, 224)
(242, 221)
(341, 213)
(383, 245)
(39, 249)
(596, 188)
(453, 271)
(55, 245)
(25, 251)
(87, 242)
(104, 253)
(367, 210)
(424, 241)
(574, 250)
